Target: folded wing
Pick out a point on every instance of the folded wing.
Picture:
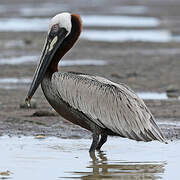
(109, 105)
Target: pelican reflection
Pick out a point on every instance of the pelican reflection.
(100, 168)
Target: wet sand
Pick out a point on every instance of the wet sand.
(143, 66)
(20, 121)
(37, 143)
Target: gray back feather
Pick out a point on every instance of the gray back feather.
(109, 105)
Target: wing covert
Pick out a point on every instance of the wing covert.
(110, 105)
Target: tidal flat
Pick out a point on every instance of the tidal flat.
(140, 52)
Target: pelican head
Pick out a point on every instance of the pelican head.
(64, 30)
(62, 20)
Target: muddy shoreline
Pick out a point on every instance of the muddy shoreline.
(143, 66)
(18, 121)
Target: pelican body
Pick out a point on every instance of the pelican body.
(92, 102)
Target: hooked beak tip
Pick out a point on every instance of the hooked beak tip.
(27, 101)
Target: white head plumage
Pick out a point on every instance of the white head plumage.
(63, 20)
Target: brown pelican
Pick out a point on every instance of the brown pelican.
(92, 102)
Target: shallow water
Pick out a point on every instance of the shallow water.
(169, 123)
(34, 60)
(122, 21)
(83, 62)
(14, 83)
(24, 24)
(152, 95)
(156, 95)
(19, 60)
(162, 36)
(32, 24)
(15, 80)
(146, 35)
(54, 158)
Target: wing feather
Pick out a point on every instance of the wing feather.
(109, 105)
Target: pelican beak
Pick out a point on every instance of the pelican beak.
(54, 39)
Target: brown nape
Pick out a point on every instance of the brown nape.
(68, 42)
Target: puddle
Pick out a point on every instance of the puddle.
(151, 35)
(14, 83)
(24, 24)
(162, 36)
(120, 21)
(169, 123)
(155, 95)
(15, 80)
(152, 95)
(32, 24)
(13, 86)
(55, 158)
(83, 62)
(34, 59)
(19, 60)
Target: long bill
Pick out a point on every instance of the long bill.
(52, 43)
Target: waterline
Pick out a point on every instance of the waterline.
(41, 24)
(35, 59)
(162, 36)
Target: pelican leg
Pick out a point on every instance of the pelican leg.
(102, 141)
(94, 142)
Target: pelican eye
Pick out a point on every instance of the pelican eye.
(55, 28)
(53, 32)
